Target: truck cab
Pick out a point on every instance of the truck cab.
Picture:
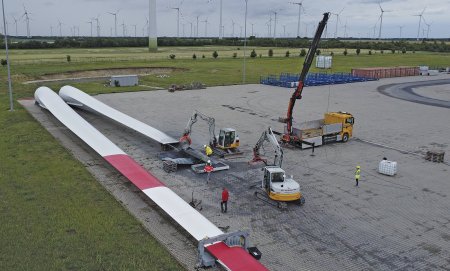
(278, 186)
(346, 119)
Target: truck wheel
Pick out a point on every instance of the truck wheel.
(345, 137)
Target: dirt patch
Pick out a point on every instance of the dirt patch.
(109, 72)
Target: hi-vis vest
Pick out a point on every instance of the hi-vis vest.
(208, 150)
(358, 173)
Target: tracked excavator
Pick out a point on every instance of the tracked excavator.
(226, 143)
(278, 188)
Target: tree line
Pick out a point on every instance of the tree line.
(101, 42)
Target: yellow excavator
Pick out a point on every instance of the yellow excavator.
(226, 142)
(279, 188)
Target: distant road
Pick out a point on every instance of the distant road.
(405, 91)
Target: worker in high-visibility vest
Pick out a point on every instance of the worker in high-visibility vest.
(357, 174)
(208, 150)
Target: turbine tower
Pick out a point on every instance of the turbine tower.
(337, 22)
(206, 27)
(178, 21)
(60, 28)
(152, 30)
(135, 31)
(381, 19)
(90, 22)
(401, 28)
(15, 22)
(115, 21)
(232, 23)
(420, 15)
(98, 25)
(275, 25)
(27, 19)
(428, 26)
(300, 7)
(124, 30)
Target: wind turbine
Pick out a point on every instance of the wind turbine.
(428, 26)
(252, 27)
(15, 22)
(191, 23)
(284, 31)
(275, 12)
(178, 21)
(197, 25)
(300, 7)
(221, 26)
(90, 22)
(420, 15)
(337, 22)
(51, 30)
(27, 19)
(60, 27)
(381, 19)
(135, 33)
(345, 29)
(270, 24)
(232, 23)
(98, 25)
(123, 28)
(401, 28)
(206, 27)
(115, 21)
(275, 25)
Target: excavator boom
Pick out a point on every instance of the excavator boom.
(185, 140)
(269, 136)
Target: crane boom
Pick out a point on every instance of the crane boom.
(269, 136)
(306, 65)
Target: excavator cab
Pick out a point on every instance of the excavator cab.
(278, 187)
(228, 139)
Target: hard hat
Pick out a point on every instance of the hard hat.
(358, 167)
(204, 146)
(209, 161)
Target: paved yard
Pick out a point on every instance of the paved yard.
(387, 223)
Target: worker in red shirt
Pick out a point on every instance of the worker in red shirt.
(208, 169)
(223, 204)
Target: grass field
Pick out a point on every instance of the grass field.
(51, 220)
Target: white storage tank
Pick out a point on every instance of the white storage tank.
(124, 80)
(387, 167)
(324, 62)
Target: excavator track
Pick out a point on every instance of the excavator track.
(277, 204)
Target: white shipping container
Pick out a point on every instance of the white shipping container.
(387, 167)
(324, 62)
(124, 80)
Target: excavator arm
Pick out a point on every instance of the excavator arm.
(268, 136)
(306, 65)
(185, 140)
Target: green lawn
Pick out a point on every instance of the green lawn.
(52, 220)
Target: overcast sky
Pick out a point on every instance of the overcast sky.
(360, 16)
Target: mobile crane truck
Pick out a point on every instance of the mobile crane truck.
(336, 126)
